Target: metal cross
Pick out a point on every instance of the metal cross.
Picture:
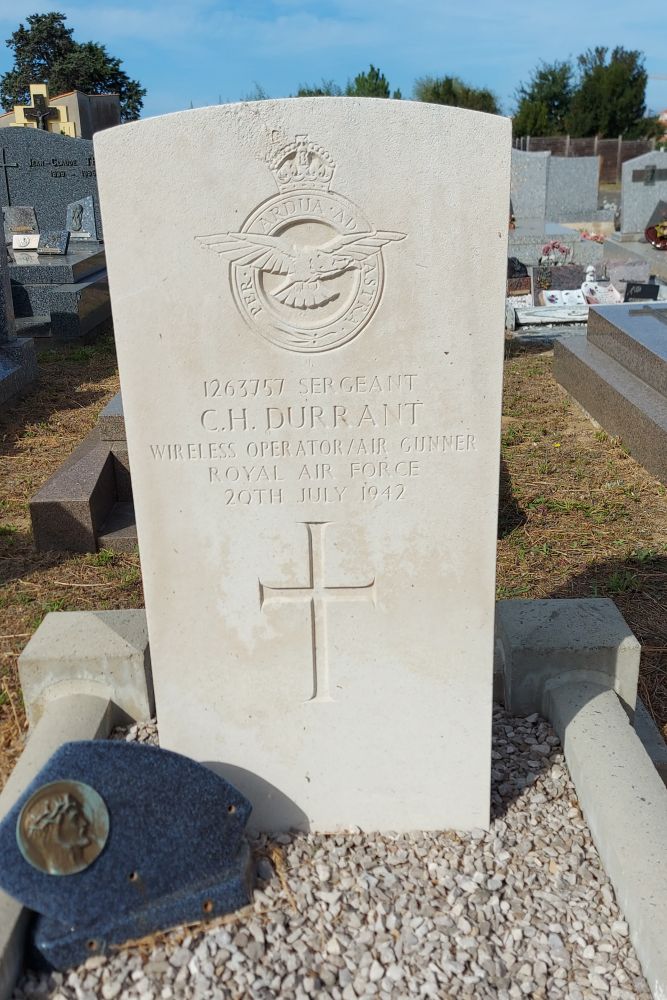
(317, 595)
(659, 314)
(5, 167)
(650, 174)
(40, 112)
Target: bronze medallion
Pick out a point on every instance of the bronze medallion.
(62, 827)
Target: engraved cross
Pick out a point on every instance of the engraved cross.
(659, 314)
(5, 167)
(318, 595)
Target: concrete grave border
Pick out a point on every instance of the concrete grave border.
(576, 662)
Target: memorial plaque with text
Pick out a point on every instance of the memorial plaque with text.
(311, 383)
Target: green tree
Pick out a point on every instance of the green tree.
(45, 52)
(610, 96)
(327, 88)
(453, 91)
(371, 84)
(544, 102)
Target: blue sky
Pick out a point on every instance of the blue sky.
(209, 50)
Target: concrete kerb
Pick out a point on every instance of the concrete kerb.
(574, 661)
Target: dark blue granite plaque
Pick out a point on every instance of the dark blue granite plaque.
(170, 849)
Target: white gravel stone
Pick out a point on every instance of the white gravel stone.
(523, 910)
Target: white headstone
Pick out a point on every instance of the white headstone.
(312, 381)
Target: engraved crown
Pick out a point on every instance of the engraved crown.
(302, 164)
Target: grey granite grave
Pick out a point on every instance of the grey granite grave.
(18, 361)
(572, 190)
(113, 841)
(643, 185)
(51, 310)
(529, 189)
(47, 171)
(617, 371)
(87, 504)
(52, 174)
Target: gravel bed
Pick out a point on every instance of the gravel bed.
(524, 910)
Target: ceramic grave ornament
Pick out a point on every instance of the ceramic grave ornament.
(313, 419)
(113, 841)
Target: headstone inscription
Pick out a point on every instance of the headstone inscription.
(47, 171)
(112, 841)
(317, 505)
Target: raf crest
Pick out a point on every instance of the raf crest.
(306, 269)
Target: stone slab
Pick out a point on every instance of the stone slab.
(621, 403)
(77, 264)
(69, 509)
(136, 873)
(282, 702)
(111, 420)
(119, 531)
(102, 653)
(74, 309)
(544, 642)
(572, 188)
(636, 337)
(46, 171)
(638, 199)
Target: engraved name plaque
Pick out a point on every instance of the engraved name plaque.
(311, 385)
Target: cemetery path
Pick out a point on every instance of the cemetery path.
(578, 516)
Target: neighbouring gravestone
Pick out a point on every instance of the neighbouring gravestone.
(46, 171)
(643, 185)
(52, 174)
(311, 386)
(113, 841)
(529, 189)
(572, 189)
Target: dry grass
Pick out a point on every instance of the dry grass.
(36, 435)
(579, 517)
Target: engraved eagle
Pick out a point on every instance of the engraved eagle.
(305, 267)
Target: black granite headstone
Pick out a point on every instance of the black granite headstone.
(114, 840)
(47, 171)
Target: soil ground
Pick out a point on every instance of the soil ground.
(578, 516)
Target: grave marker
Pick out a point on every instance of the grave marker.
(643, 185)
(314, 445)
(47, 171)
